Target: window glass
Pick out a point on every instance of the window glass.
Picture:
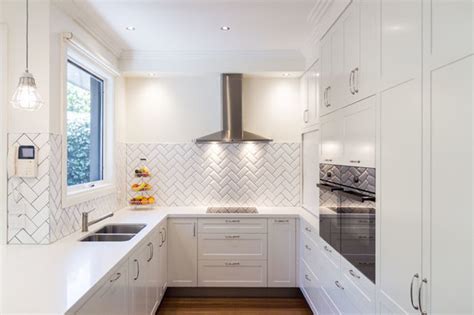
(85, 104)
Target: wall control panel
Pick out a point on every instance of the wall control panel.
(23, 161)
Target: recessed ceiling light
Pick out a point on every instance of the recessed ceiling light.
(225, 28)
(152, 74)
(286, 74)
(130, 28)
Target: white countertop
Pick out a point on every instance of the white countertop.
(50, 279)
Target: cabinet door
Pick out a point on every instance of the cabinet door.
(310, 147)
(163, 257)
(451, 200)
(304, 98)
(138, 281)
(400, 196)
(313, 94)
(351, 63)
(401, 41)
(326, 74)
(359, 133)
(233, 273)
(332, 135)
(112, 297)
(182, 252)
(153, 272)
(281, 252)
(339, 81)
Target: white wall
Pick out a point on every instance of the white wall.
(179, 109)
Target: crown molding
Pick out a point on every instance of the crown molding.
(85, 17)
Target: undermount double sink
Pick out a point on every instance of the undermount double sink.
(114, 233)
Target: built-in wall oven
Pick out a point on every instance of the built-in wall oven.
(347, 214)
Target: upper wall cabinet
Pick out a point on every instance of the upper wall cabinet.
(310, 89)
(349, 57)
(452, 30)
(400, 42)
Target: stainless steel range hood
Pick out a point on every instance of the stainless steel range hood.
(232, 115)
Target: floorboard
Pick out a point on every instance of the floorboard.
(233, 306)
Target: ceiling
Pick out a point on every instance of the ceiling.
(194, 25)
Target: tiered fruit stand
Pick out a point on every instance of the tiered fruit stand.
(141, 188)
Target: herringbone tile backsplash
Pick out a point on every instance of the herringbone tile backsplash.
(220, 174)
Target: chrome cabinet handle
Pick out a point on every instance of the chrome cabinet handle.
(307, 247)
(325, 96)
(305, 115)
(232, 237)
(420, 293)
(356, 79)
(194, 229)
(339, 285)
(118, 275)
(354, 274)
(161, 239)
(328, 160)
(355, 161)
(307, 277)
(234, 263)
(138, 269)
(415, 276)
(328, 104)
(307, 229)
(150, 246)
(281, 221)
(327, 249)
(232, 221)
(351, 82)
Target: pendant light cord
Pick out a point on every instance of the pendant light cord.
(27, 34)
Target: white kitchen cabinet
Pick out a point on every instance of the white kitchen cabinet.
(152, 270)
(304, 97)
(163, 259)
(139, 281)
(232, 273)
(231, 246)
(182, 252)
(332, 138)
(311, 112)
(359, 133)
(326, 75)
(281, 252)
(350, 21)
(112, 297)
(233, 225)
(400, 41)
(400, 196)
(449, 210)
(449, 30)
(310, 171)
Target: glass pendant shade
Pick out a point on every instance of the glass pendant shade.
(26, 96)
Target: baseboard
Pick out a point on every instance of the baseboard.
(235, 292)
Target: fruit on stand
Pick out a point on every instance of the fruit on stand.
(142, 172)
(141, 187)
(142, 200)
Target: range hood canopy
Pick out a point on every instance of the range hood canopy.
(232, 115)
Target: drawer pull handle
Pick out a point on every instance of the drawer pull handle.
(307, 277)
(307, 247)
(328, 160)
(282, 221)
(327, 249)
(354, 274)
(118, 275)
(232, 221)
(339, 285)
(415, 276)
(231, 237)
(355, 161)
(307, 229)
(235, 263)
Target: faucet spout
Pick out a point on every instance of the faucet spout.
(86, 223)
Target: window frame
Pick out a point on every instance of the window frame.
(73, 195)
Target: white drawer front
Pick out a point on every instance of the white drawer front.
(232, 273)
(232, 225)
(232, 246)
(359, 289)
(311, 286)
(309, 230)
(311, 254)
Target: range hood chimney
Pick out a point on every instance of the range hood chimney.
(232, 115)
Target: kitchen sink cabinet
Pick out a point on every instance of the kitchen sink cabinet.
(140, 282)
(112, 297)
(182, 252)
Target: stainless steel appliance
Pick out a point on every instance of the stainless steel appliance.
(347, 214)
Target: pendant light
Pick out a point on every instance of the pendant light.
(26, 96)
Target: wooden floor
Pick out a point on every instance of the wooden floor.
(233, 306)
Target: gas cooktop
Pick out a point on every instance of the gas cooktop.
(232, 210)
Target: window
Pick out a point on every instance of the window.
(84, 126)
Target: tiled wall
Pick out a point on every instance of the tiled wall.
(220, 174)
(35, 213)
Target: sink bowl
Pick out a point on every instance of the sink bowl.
(121, 229)
(108, 238)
